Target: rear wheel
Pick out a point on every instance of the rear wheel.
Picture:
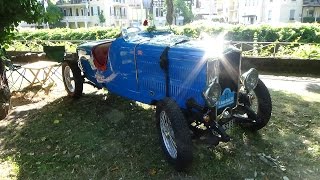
(72, 79)
(174, 134)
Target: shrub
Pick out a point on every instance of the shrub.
(306, 33)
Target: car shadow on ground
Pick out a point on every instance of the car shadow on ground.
(100, 136)
(315, 88)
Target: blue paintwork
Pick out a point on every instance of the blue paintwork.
(144, 80)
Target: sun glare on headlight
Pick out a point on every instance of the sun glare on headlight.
(213, 46)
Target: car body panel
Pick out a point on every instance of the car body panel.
(133, 68)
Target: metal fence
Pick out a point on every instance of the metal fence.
(286, 50)
(249, 49)
(37, 45)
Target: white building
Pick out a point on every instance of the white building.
(269, 11)
(217, 10)
(204, 9)
(232, 11)
(250, 11)
(283, 11)
(136, 12)
(311, 11)
(85, 13)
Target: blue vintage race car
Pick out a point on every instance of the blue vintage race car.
(196, 86)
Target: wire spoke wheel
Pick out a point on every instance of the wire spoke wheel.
(253, 101)
(174, 134)
(168, 134)
(259, 101)
(69, 79)
(72, 79)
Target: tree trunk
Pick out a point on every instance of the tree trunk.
(5, 96)
(169, 16)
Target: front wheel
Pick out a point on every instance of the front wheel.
(259, 106)
(174, 134)
(72, 79)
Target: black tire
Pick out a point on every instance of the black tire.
(77, 78)
(182, 137)
(264, 107)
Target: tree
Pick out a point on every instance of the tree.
(53, 16)
(186, 12)
(11, 13)
(178, 7)
(14, 11)
(170, 14)
(102, 19)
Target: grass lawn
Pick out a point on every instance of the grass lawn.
(113, 138)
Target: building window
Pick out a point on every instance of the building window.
(269, 15)
(82, 12)
(111, 11)
(91, 11)
(159, 12)
(124, 12)
(70, 12)
(98, 8)
(198, 5)
(77, 12)
(292, 12)
(271, 0)
(310, 13)
(65, 12)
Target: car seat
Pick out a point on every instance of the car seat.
(100, 56)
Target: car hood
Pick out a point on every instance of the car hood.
(89, 45)
(209, 47)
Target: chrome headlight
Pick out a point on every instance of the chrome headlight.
(250, 79)
(212, 93)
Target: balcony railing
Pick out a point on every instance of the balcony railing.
(134, 3)
(119, 17)
(64, 2)
(80, 19)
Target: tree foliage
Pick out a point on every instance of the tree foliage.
(14, 11)
(53, 16)
(102, 19)
(182, 9)
(176, 8)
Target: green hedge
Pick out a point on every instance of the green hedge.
(306, 33)
(68, 34)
